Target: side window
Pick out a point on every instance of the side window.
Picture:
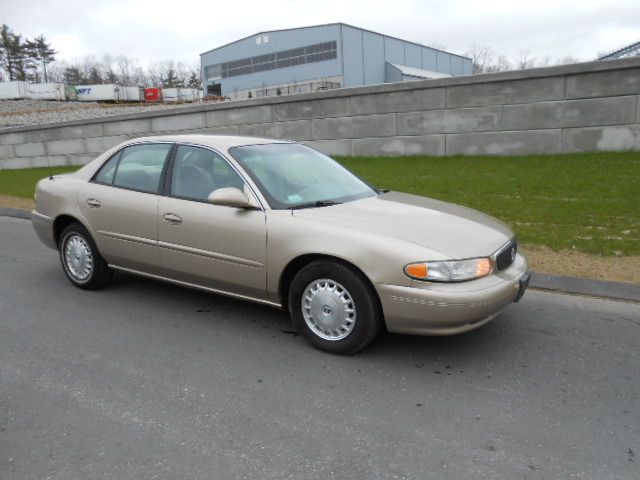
(105, 175)
(140, 167)
(197, 172)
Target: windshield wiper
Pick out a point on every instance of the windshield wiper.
(319, 203)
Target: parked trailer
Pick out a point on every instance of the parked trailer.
(187, 94)
(170, 94)
(133, 94)
(13, 90)
(96, 93)
(153, 94)
(179, 94)
(46, 91)
(184, 95)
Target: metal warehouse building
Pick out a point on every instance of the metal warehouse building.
(320, 57)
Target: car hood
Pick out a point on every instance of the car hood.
(452, 230)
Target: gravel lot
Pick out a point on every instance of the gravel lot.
(37, 112)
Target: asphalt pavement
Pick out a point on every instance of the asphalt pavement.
(148, 380)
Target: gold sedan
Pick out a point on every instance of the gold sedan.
(279, 223)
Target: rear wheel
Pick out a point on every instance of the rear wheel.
(81, 260)
(334, 307)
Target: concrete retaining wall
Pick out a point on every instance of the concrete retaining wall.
(575, 108)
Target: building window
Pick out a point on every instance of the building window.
(282, 59)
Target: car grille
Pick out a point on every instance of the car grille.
(506, 255)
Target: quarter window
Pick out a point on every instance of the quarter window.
(197, 172)
(105, 175)
(140, 167)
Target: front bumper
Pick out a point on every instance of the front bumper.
(428, 308)
(43, 225)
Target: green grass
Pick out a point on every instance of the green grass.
(586, 202)
(22, 182)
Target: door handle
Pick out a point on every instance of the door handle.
(93, 203)
(172, 218)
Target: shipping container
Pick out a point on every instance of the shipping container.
(13, 90)
(187, 94)
(153, 94)
(170, 94)
(133, 94)
(46, 91)
(95, 93)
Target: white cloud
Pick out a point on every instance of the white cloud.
(156, 30)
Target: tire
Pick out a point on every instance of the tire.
(334, 307)
(81, 261)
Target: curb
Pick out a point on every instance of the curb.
(628, 292)
(15, 213)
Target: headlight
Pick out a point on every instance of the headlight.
(451, 270)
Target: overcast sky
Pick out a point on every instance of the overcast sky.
(181, 30)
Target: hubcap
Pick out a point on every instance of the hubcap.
(328, 309)
(78, 258)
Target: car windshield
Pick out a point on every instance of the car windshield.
(291, 175)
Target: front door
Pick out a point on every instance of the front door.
(210, 245)
(121, 206)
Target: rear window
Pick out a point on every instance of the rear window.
(138, 167)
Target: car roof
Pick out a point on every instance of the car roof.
(219, 142)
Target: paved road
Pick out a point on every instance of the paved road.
(147, 380)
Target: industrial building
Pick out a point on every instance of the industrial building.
(321, 57)
(631, 50)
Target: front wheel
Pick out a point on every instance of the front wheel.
(81, 260)
(334, 307)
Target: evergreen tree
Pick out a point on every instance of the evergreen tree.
(42, 52)
(171, 79)
(22, 63)
(95, 77)
(13, 52)
(73, 76)
(111, 77)
(21, 58)
(194, 80)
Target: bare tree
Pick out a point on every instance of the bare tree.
(55, 71)
(567, 60)
(154, 74)
(123, 69)
(525, 60)
(481, 57)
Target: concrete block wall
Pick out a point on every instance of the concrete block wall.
(574, 108)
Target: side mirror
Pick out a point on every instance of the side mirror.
(231, 197)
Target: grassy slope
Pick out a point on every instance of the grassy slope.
(22, 183)
(587, 202)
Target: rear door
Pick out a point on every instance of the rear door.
(121, 206)
(215, 246)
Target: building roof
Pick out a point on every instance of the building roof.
(419, 72)
(330, 24)
(631, 50)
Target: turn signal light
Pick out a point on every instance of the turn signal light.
(417, 270)
(483, 267)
